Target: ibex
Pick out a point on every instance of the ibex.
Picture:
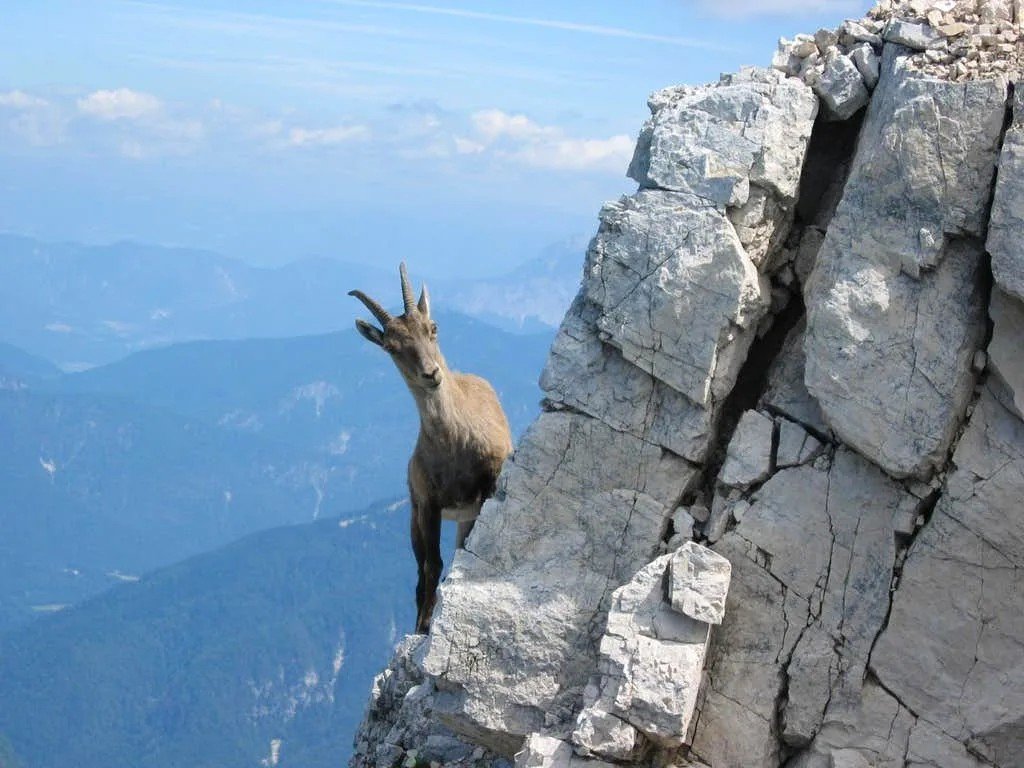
(464, 436)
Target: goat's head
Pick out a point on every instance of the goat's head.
(410, 338)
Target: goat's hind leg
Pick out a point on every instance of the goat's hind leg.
(462, 533)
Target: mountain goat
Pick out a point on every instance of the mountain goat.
(464, 435)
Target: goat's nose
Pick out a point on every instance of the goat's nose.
(433, 375)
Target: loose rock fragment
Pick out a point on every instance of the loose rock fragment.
(699, 582)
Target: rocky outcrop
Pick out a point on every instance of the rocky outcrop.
(791, 369)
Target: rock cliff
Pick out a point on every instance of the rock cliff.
(791, 374)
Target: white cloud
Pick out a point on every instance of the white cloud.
(468, 146)
(120, 104)
(493, 124)
(325, 137)
(612, 154)
(32, 118)
(517, 137)
(21, 100)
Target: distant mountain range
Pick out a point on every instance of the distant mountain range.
(82, 306)
(265, 647)
(111, 472)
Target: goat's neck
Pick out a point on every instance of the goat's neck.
(439, 417)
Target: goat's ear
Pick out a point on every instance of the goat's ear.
(370, 333)
(424, 302)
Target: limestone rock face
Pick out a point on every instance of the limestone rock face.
(580, 508)
(958, 605)
(687, 254)
(895, 308)
(772, 513)
(577, 373)
(812, 562)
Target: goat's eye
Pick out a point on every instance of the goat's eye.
(433, 329)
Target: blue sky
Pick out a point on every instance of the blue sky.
(476, 132)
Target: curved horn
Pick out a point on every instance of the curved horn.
(408, 298)
(378, 311)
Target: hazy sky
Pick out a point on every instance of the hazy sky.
(467, 130)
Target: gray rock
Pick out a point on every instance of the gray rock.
(868, 64)
(748, 458)
(960, 602)
(1004, 349)
(585, 374)
(718, 519)
(825, 39)
(757, 225)
(928, 746)
(599, 733)
(920, 37)
(924, 167)
(399, 723)
(699, 583)
(541, 751)
(715, 141)
(996, 10)
(786, 59)
(580, 508)
(660, 262)
(683, 522)
(852, 32)
(894, 303)
(841, 86)
(796, 446)
(1006, 227)
(888, 357)
(651, 659)
(812, 561)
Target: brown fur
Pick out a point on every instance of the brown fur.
(464, 436)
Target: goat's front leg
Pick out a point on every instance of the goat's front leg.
(427, 526)
(420, 551)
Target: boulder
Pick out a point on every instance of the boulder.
(715, 141)
(652, 656)
(699, 583)
(895, 309)
(919, 37)
(841, 86)
(541, 751)
(585, 374)
(676, 292)
(867, 62)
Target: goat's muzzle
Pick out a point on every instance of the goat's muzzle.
(431, 380)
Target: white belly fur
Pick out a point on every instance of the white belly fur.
(463, 513)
